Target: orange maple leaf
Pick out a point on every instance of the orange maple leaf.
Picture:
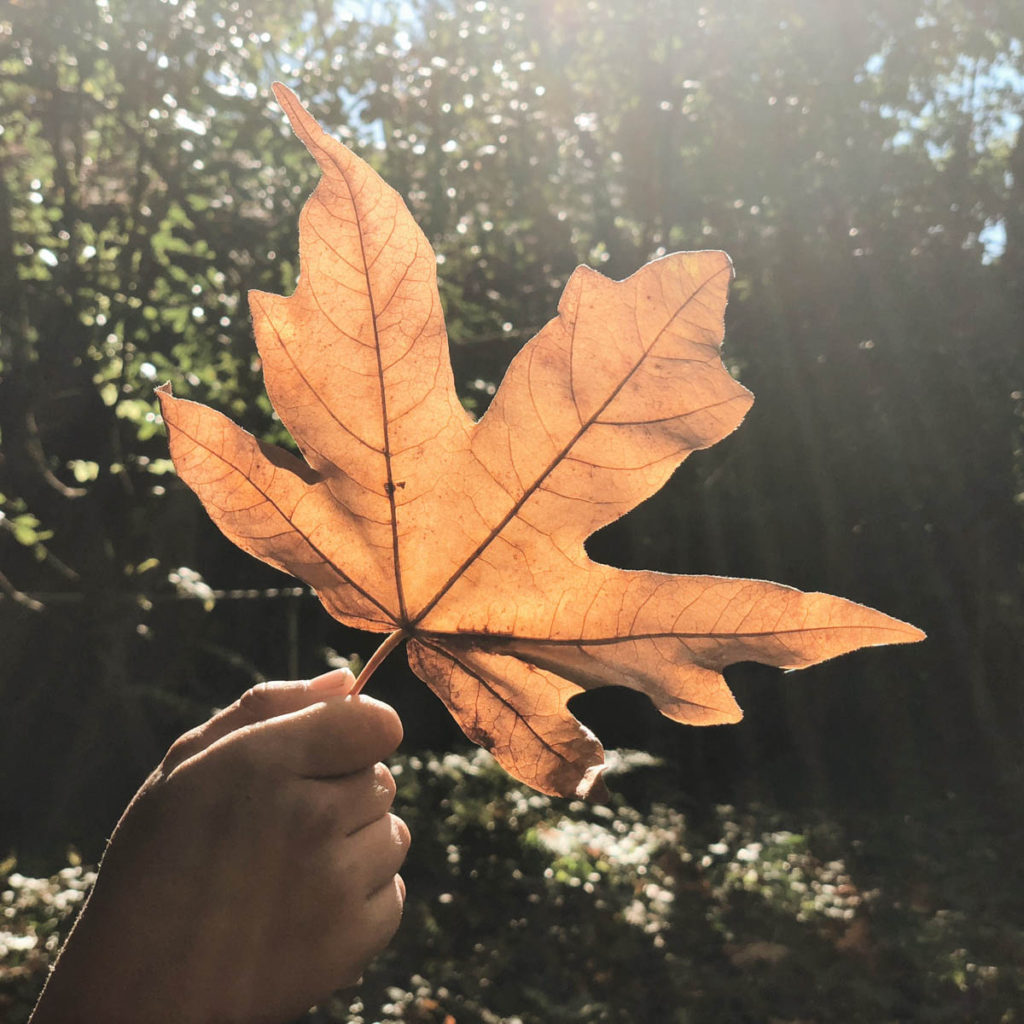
(466, 539)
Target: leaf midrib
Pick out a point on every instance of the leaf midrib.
(389, 487)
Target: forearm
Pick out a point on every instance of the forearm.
(106, 974)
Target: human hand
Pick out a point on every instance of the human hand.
(252, 874)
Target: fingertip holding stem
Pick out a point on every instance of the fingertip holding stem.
(339, 681)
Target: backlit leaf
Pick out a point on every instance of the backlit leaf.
(466, 539)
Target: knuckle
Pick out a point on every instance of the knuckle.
(393, 728)
(255, 702)
(386, 724)
(400, 834)
(396, 905)
(384, 784)
(180, 749)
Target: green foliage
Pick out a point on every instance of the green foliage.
(35, 914)
(526, 908)
(523, 908)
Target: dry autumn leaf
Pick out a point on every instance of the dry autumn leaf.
(466, 539)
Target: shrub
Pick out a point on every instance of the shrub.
(523, 908)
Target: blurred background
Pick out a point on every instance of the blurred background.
(863, 164)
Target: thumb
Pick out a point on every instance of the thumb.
(261, 702)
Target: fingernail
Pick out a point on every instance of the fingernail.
(338, 680)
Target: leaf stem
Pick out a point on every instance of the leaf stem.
(378, 656)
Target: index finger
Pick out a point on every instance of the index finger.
(267, 700)
(337, 736)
